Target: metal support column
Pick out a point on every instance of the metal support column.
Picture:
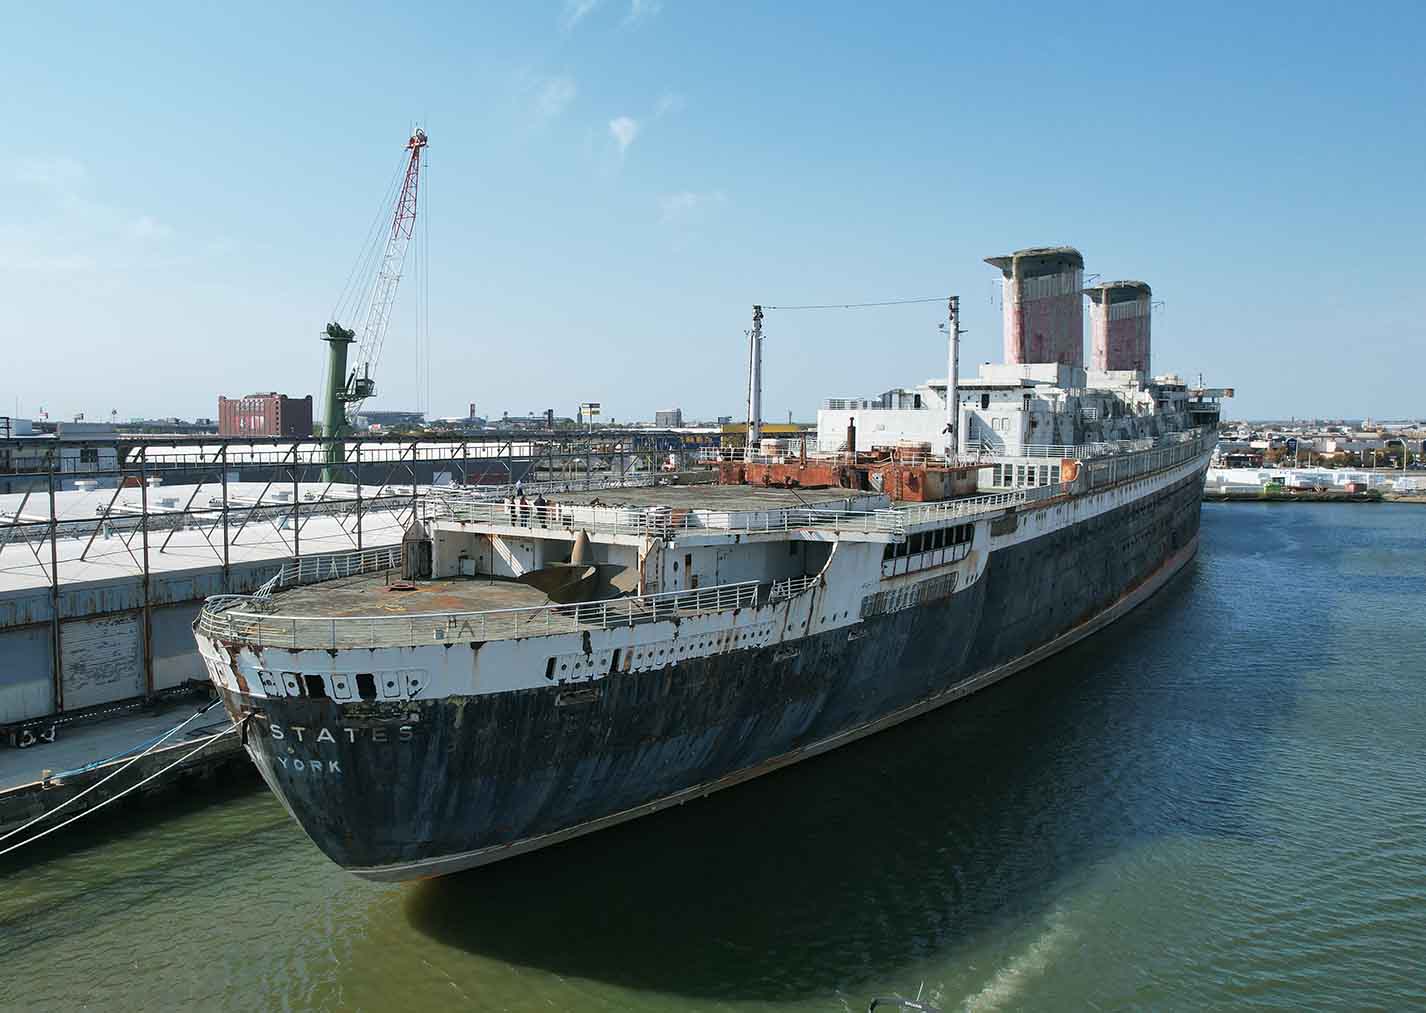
(415, 506)
(358, 495)
(57, 655)
(227, 573)
(147, 586)
(296, 507)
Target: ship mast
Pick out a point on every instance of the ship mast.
(755, 381)
(953, 379)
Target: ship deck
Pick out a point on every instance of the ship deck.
(371, 594)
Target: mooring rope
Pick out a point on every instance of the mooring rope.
(133, 787)
(152, 745)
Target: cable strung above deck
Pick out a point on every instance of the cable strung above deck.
(860, 305)
(952, 328)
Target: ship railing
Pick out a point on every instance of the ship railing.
(1077, 451)
(1082, 451)
(791, 587)
(924, 513)
(223, 618)
(662, 520)
(746, 455)
(1042, 450)
(1038, 492)
(329, 566)
(487, 493)
(1110, 470)
(983, 451)
(917, 459)
(880, 453)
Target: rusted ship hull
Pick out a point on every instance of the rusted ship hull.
(404, 789)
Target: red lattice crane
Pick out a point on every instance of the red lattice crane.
(347, 390)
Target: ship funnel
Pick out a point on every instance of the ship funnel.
(1044, 305)
(1120, 314)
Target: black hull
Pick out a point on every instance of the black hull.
(428, 787)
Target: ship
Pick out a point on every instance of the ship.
(531, 667)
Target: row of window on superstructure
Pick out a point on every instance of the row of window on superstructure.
(1017, 476)
(925, 549)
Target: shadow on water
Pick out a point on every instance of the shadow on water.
(834, 873)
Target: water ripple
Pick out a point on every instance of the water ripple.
(1218, 803)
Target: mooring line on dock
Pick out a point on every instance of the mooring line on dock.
(152, 744)
(133, 787)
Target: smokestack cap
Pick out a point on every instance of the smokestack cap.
(1039, 260)
(1119, 291)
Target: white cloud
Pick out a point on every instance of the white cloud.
(574, 12)
(69, 217)
(623, 129)
(640, 9)
(669, 102)
(554, 96)
(688, 207)
(68, 185)
(145, 227)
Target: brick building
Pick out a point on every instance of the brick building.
(270, 414)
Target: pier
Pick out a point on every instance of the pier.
(108, 546)
(43, 776)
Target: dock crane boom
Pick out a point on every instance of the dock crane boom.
(347, 390)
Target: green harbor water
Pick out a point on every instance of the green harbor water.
(1219, 802)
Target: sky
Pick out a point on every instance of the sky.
(612, 184)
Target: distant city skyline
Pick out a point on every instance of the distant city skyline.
(612, 185)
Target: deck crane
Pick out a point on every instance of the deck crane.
(347, 390)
